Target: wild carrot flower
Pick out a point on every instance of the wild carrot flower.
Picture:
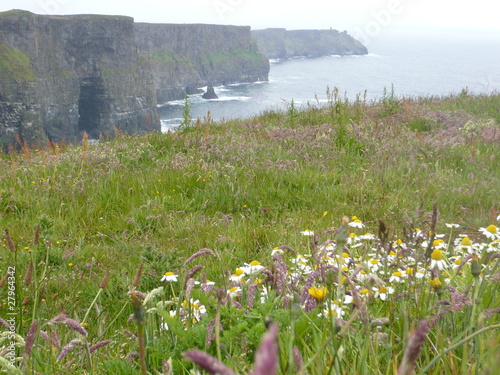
(169, 276)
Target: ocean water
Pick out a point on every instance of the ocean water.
(413, 63)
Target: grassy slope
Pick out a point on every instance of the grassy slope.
(242, 188)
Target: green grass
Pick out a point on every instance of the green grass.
(15, 65)
(242, 188)
(235, 54)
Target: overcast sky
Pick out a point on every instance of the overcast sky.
(351, 15)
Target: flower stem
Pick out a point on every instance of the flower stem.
(453, 347)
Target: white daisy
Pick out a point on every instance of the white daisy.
(356, 223)
(383, 292)
(169, 276)
(491, 232)
(437, 260)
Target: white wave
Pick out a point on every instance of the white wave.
(172, 102)
(231, 98)
(170, 124)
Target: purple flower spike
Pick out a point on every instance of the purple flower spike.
(208, 363)
(266, 358)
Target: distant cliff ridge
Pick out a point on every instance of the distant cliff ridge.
(279, 43)
(185, 57)
(63, 75)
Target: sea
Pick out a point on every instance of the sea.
(406, 63)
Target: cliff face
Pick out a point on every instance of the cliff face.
(62, 75)
(284, 44)
(185, 57)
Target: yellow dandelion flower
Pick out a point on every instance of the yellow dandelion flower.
(318, 293)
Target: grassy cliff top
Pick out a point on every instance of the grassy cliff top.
(415, 178)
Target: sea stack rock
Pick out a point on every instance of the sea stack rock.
(210, 94)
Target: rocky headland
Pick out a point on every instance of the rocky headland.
(63, 75)
(279, 43)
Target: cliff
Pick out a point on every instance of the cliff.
(283, 44)
(62, 75)
(185, 57)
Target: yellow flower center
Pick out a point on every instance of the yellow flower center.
(410, 271)
(364, 291)
(374, 261)
(492, 229)
(437, 255)
(436, 243)
(397, 274)
(255, 263)
(239, 272)
(169, 273)
(382, 290)
(399, 241)
(466, 241)
(345, 255)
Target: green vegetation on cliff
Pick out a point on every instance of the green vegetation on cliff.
(255, 207)
(15, 65)
(234, 55)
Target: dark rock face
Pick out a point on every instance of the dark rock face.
(284, 44)
(185, 57)
(62, 75)
(210, 94)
